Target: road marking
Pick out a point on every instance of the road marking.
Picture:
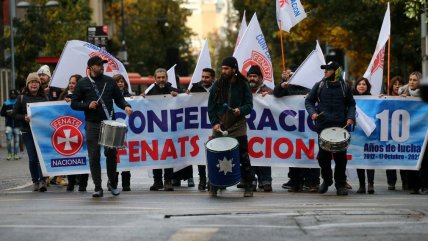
(18, 187)
(193, 234)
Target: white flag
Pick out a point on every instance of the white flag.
(74, 60)
(309, 72)
(366, 123)
(374, 72)
(289, 13)
(253, 50)
(204, 61)
(171, 79)
(242, 29)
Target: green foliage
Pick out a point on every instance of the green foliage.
(44, 31)
(151, 27)
(414, 8)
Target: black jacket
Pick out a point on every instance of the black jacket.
(198, 88)
(334, 100)
(164, 91)
(84, 93)
(20, 108)
(6, 111)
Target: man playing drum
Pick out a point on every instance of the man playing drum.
(230, 100)
(94, 95)
(330, 103)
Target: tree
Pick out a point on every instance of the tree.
(152, 29)
(44, 31)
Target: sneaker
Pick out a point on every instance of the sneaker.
(286, 185)
(175, 183)
(35, 186)
(114, 190)
(16, 157)
(391, 187)
(324, 186)
(98, 193)
(294, 189)
(267, 187)
(342, 191)
(126, 188)
(168, 186)
(370, 188)
(314, 188)
(157, 185)
(43, 187)
(9, 156)
(348, 186)
(361, 189)
(248, 192)
(190, 182)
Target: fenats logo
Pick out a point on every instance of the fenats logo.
(260, 60)
(379, 60)
(67, 138)
(111, 64)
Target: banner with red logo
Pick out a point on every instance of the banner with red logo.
(74, 60)
(253, 50)
(374, 72)
(166, 131)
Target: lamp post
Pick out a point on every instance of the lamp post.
(12, 42)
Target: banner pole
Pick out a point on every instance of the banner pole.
(282, 46)
(389, 61)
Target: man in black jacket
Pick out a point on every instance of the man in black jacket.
(162, 87)
(330, 103)
(94, 95)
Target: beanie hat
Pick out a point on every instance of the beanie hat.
(44, 70)
(255, 69)
(31, 77)
(230, 62)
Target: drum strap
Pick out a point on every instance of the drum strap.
(99, 97)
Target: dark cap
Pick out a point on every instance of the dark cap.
(331, 66)
(255, 69)
(96, 60)
(230, 62)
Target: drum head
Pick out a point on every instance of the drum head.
(335, 134)
(221, 144)
(114, 123)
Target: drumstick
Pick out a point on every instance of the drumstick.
(345, 126)
(224, 133)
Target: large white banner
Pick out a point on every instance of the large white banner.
(374, 72)
(166, 131)
(74, 60)
(253, 50)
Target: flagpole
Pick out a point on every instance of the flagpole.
(389, 60)
(282, 46)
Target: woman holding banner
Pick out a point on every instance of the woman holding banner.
(32, 93)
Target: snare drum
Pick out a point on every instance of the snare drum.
(223, 161)
(112, 134)
(334, 139)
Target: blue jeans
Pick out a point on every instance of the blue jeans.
(12, 137)
(35, 170)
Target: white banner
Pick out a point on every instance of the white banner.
(374, 72)
(289, 13)
(204, 61)
(310, 72)
(74, 60)
(241, 32)
(253, 50)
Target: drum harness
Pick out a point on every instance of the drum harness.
(97, 92)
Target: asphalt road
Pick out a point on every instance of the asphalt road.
(187, 214)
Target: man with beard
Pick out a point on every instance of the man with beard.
(330, 103)
(264, 173)
(233, 92)
(94, 95)
(162, 87)
(45, 76)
